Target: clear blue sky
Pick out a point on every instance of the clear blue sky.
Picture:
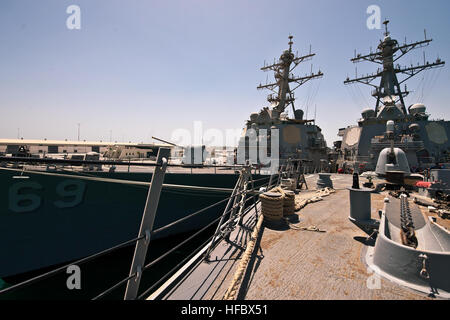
(143, 68)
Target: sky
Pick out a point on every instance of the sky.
(137, 69)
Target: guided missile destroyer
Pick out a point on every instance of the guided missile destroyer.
(424, 141)
(298, 138)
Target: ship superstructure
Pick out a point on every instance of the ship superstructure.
(299, 138)
(424, 141)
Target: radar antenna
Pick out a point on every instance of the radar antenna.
(388, 92)
(286, 64)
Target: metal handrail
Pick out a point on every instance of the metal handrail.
(142, 295)
(117, 285)
(152, 263)
(109, 250)
(200, 211)
(148, 219)
(63, 268)
(142, 237)
(191, 237)
(243, 181)
(107, 162)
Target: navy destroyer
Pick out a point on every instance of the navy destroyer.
(298, 138)
(424, 141)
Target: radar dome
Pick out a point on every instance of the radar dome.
(417, 108)
(414, 127)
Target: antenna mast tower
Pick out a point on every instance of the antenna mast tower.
(282, 69)
(388, 92)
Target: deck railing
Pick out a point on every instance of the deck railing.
(236, 203)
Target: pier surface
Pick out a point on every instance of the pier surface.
(290, 264)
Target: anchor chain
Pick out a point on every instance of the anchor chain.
(407, 225)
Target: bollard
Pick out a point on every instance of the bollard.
(360, 207)
(324, 181)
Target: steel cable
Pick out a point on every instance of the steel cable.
(163, 256)
(117, 285)
(83, 260)
(172, 270)
(194, 235)
(202, 210)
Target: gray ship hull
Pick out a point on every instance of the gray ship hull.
(48, 219)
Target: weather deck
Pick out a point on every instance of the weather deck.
(290, 264)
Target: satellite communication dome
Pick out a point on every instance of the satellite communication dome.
(414, 127)
(417, 108)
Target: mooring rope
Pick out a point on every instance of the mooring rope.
(318, 196)
(233, 289)
(272, 204)
(268, 206)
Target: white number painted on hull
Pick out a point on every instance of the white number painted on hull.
(70, 191)
(66, 189)
(19, 202)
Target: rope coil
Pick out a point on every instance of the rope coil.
(278, 203)
(272, 205)
(234, 287)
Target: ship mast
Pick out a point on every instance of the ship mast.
(389, 92)
(283, 77)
